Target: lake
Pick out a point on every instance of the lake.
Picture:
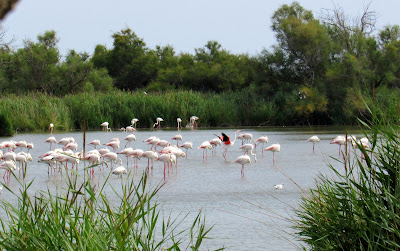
(246, 213)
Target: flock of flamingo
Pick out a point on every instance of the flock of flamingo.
(59, 158)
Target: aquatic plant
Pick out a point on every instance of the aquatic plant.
(81, 217)
(358, 209)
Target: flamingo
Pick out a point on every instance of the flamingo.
(205, 145)
(131, 137)
(193, 122)
(105, 126)
(163, 143)
(114, 144)
(179, 121)
(51, 128)
(274, 148)
(95, 143)
(187, 145)
(30, 146)
(133, 122)
(245, 137)
(242, 160)
(166, 158)
(261, 140)
(340, 140)
(248, 148)
(215, 142)
(154, 143)
(150, 155)
(158, 122)
(49, 160)
(137, 153)
(127, 151)
(130, 129)
(112, 156)
(177, 138)
(8, 166)
(314, 139)
(226, 142)
(120, 169)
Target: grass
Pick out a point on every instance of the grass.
(83, 218)
(358, 209)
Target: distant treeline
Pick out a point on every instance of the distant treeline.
(321, 71)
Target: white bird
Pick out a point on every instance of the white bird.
(133, 122)
(242, 160)
(131, 137)
(51, 140)
(95, 143)
(215, 142)
(177, 138)
(248, 148)
(120, 170)
(130, 129)
(179, 121)
(158, 122)
(205, 145)
(339, 140)
(261, 140)
(112, 156)
(245, 137)
(278, 186)
(151, 156)
(105, 126)
(51, 128)
(314, 139)
(187, 145)
(274, 148)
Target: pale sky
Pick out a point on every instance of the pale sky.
(239, 26)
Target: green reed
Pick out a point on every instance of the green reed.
(34, 112)
(358, 209)
(81, 217)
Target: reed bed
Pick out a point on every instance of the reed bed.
(81, 217)
(358, 209)
(34, 112)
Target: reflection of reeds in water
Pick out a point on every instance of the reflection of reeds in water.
(81, 217)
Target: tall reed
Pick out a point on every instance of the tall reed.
(83, 218)
(358, 209)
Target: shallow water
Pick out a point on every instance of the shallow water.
(246, 213)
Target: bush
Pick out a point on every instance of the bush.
(6, 128)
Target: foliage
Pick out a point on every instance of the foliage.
(335, 57)
(357, 209)
(6, 128)
(83, 218)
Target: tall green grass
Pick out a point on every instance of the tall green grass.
(358, 209)
(81, 217)
(34, 112)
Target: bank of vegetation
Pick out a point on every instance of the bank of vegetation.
(81, 217)
(358, 208)
(321, 71)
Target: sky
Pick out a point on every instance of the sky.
(239, 26)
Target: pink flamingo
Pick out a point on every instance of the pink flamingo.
(242, 160)
(261, 140)
(205, 145)
(314, 139)
(187, 145)
(177, 138)
(274, 148)
(158, 123)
